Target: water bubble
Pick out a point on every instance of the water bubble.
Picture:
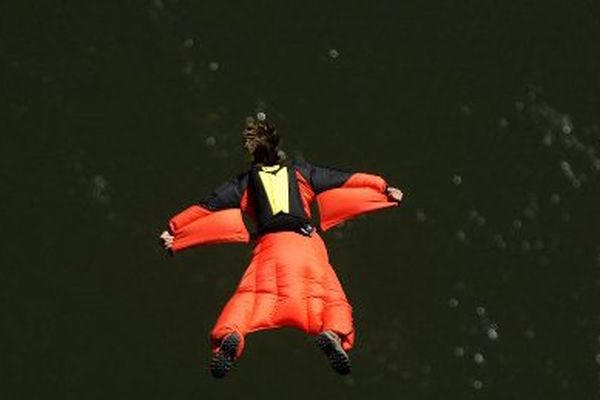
(99, 187)
(555, 198)
(492, 334)
(500, 242)
(530, 333)
(333, 53)
(530, 212)
(457, 179)
(465, 110)
(548, 139)
(461, 235)
(477, 384)
(478, 358)
(502, 122)
(459, 352)
(213, 66)
(518, 224)
(188, 68)
(519, 106)
(598, 358)
(481, 220)
(570, 174)
(453, 302)
(189, 43)
(211, 141)
(480, 311)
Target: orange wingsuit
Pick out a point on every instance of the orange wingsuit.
(289, 281)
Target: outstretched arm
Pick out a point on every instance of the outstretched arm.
(215, 219)
(343, 195)
(325, 178)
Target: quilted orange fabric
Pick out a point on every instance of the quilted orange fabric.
(289, 281)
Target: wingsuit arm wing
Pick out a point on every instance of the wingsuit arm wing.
(343, 195)
(216, 219)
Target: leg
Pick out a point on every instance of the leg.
(233, 320)
(334, 311)
(227, 337)
(337, 334)
(337, 312)
(338, 318)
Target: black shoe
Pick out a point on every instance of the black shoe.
(223, 359)
(331, 345)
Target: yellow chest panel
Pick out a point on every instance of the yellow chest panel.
(275, 181)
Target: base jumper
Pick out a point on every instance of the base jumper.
(289, 281)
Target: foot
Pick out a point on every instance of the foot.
(223, 358)
(331, 344)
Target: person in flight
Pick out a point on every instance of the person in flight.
(289, 281)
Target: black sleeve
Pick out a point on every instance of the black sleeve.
(228, 195)
(322, 178)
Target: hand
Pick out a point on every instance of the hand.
(167, 240)
(394, 194)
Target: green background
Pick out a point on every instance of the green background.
(114, 115)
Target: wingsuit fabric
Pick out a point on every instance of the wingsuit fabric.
(289, 281)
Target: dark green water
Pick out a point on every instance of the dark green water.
(115, 115)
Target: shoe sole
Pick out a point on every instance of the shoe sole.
(222, 360)
(337, 356)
